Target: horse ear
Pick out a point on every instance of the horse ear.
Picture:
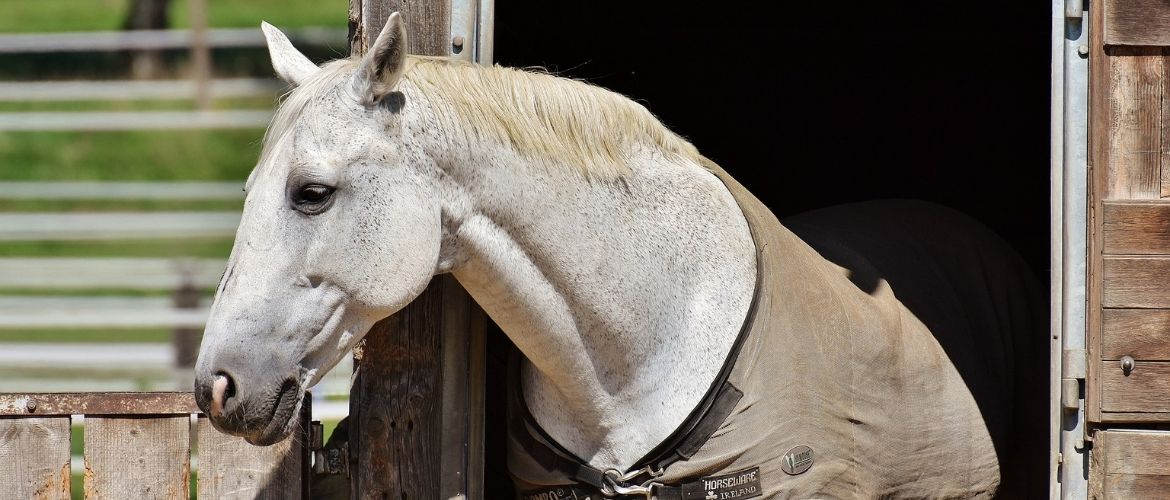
(383, 63)
(290, 64)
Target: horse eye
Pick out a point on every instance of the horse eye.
(314, 193)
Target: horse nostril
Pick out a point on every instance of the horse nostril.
(222, 391)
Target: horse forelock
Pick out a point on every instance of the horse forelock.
(543, 117)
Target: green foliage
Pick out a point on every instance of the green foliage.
(30, 16)
(129, 155)
(62, 15)
(282, 13)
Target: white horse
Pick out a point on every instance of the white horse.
(623, 265)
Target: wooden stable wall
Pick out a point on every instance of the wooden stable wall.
(1129, 251)
(1128, 385)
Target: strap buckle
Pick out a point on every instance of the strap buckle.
(615, 484)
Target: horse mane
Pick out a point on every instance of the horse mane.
(541, 116)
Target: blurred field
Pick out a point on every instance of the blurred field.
(30, 16)
(130, 155)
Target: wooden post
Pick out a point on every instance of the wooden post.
(184, 338)
(416, 408)
(200, 54)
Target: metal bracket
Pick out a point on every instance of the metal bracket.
(1073, 363)
(472, 23)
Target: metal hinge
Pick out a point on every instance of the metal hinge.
(1072, 378)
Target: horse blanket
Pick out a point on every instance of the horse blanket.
(845, 392)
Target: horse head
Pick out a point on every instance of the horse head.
(340, 228)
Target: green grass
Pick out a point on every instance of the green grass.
(27, 16)
(129, 155)
(282, 13)
(211, 248)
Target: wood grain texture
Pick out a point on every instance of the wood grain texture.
(428, 24)
(99, 403)
(1141, 333)
(1137, 22)
(1137, 452)
(1136, 487)
(1098, 184)
(397, 403)
(1145, 390)
(34, 458)
(1121, 417)
(1134, 130)
(1137, 227)
(137, 457)
(1136, 282)
(231, 469)
(1096, 487)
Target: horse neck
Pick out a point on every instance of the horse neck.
(624, 295)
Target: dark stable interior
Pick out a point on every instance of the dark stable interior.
(811, 104)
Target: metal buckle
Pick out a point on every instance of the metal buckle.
(615, 484)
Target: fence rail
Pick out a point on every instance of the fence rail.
(135, 190)
(138, 445)
(134, 90)
(109, 273)
(98, 41)
(115, 225)
(132, 120)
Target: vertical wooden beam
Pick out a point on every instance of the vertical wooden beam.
(416, 409)
(200, 54)
(138, 457)
(34, 457)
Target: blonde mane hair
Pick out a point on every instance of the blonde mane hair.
(540, 116)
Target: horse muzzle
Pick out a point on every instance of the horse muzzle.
(244, 399)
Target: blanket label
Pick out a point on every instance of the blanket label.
(734, 486)
(556, 493)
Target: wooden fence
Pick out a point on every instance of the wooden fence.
(139, 445)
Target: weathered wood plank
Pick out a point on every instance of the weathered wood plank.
(1120, 417)
(230, 468)
(1137, 452)
(1099, 150)
(1141, 333)
(103, 403)
(1137, 227)
(1137, 22)
(396, 400)
(1136, 282)
(1144, 390)
(1096, 486)
(137, 457)
(34, 458)
(1134, 130)
(1136, 486)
